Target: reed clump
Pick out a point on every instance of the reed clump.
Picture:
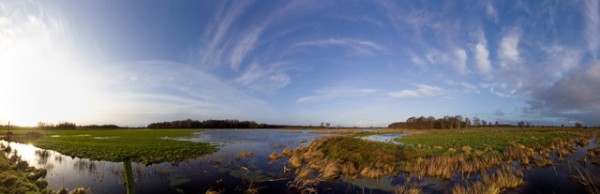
(594, 155)
(519, 153)
(287, 152)
(245, 154)
(274, 155)
(476, 188)
(504, 178)
(408, 187)
(445, 166)
(332, 157)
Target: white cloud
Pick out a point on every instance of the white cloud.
(334, 93)
(45, 77)
(245, 45)
(421, 91)
(469, 88)
(461, 63)
(592, 25)
(509, 48)
(456, 58)
(561, 59)
(165, 90)
(278, 81)
(360, 46)
(491, 11)
(264, 79)
(482, 57)
(253, 73)
(211, 54)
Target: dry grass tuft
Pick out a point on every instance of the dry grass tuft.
(331, 171)
(245, 154)
(477, 188)
(274, 156)
(504, 178)
(408, 188)
(304, 173)
(467, 149)
(296, 160)
(287, 152)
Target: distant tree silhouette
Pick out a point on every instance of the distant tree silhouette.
(221, 124)
(476, 122)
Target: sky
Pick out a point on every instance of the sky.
(349, 63)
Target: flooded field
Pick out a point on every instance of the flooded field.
(245, 162)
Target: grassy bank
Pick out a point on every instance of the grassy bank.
(17, 177)
(139, 145)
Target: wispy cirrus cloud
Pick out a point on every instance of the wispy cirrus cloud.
(261, 78)
(360, 46)
(146, 91)
(241, 49)
(330, 93)
(210, 55)
(420, 91)
(491, 11)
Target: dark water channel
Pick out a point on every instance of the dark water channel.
(226, 172)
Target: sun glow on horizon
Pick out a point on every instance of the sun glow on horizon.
(40, 75)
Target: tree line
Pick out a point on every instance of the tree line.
(446, 122)
(221, 124)
(70, 125)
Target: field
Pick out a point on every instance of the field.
(484, 139)
(139, 145)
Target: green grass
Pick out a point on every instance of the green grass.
(496, 139)
(364, 152)
(139, 145)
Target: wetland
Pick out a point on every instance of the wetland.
(311, 161)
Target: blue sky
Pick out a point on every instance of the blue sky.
(351, 63)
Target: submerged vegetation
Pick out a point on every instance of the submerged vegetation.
(138, 145)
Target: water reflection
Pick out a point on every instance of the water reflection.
(43, 156)
(385, 137)
(129, 181)
(83, 165)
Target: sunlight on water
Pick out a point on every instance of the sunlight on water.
(384, 137)
(26, 151)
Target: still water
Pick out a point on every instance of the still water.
(225, 171)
